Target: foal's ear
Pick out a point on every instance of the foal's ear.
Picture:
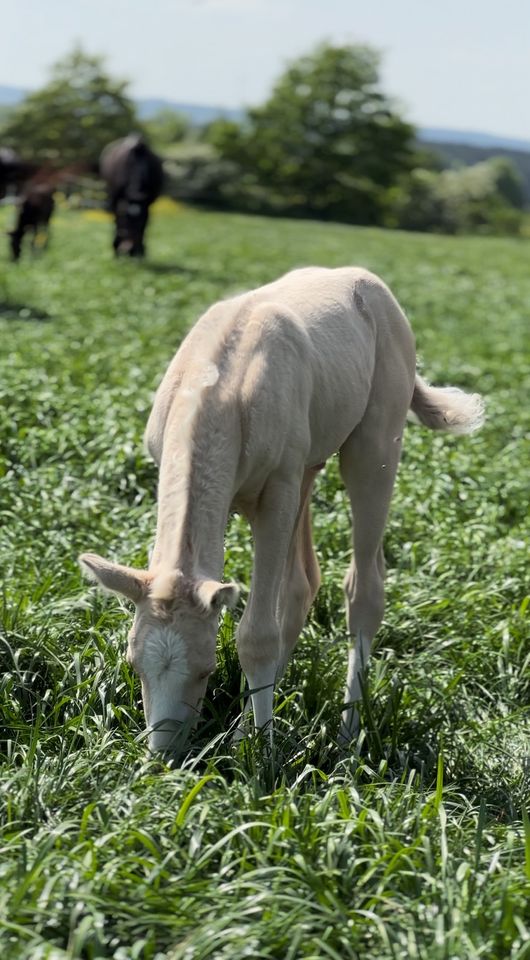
(213, 595)
(116, 578)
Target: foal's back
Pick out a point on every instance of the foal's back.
(297, 357)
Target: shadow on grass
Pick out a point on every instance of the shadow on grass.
(155, 266)
(22, 311)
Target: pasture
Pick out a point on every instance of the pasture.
(416, 843)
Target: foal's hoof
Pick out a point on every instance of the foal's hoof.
(244, 728)
(348, 735)
(238, 735)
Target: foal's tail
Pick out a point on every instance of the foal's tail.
(446, 408)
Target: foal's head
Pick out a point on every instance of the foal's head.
(172, 639)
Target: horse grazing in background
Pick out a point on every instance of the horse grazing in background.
(134, 178)
(35, 206)
(33, 186)
(262, 391)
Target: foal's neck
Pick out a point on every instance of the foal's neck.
(196, 488)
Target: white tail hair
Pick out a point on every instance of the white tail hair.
(446, 408)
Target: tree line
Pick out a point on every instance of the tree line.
(328, 143)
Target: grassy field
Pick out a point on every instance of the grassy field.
(416, 844)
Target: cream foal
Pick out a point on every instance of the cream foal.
(265, 387)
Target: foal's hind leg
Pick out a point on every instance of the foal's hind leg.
(368, 463)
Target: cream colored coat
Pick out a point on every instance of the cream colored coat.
(265, 387)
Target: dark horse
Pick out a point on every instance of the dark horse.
(35, 207)
(34, 197)
(134, 178)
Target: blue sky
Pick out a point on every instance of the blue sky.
(455, 63)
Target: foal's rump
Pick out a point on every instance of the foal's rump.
(306, 379)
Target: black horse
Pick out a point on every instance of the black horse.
(134, 178)
(35, 206)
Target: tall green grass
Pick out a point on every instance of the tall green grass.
(414, 844)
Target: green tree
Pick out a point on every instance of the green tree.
(74, 116)
(328, 142)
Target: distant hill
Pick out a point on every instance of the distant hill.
(471, 138)
(199, 114)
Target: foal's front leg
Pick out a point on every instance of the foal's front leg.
(258, 635)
